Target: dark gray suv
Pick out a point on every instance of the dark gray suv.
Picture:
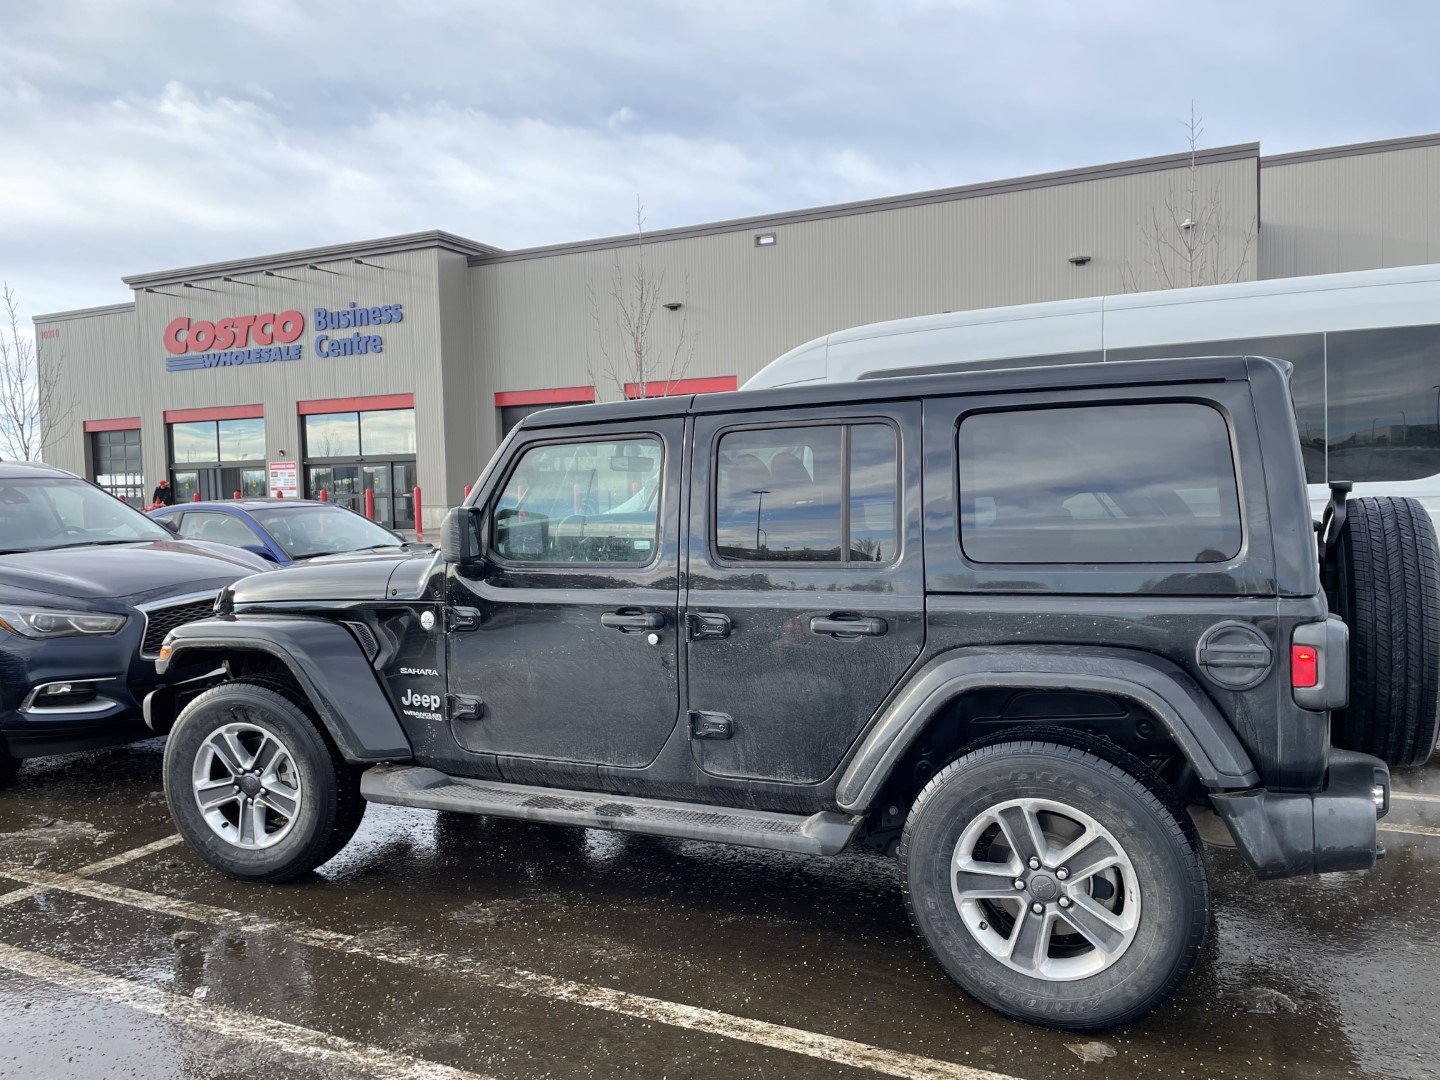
(1009, 627)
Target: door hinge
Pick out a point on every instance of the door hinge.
(708, 624)
(464, 707)
(711, 725)
(463, 618)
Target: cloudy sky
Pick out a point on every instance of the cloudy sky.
(153, 134)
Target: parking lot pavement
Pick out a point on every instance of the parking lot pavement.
(447, 947)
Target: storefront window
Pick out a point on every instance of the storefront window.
(332, 435)
(195, 442)
(242, 440)
(389, 432)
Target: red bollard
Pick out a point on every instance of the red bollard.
(418, 515)
(467, 491)
(195, 497)
(279, 494)
(324, 495)
(370, 503)
(236, 495)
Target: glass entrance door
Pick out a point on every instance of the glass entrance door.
(377, 479)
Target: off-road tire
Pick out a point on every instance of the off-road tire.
(1385, 583)
(331, 809)
(1155, 834)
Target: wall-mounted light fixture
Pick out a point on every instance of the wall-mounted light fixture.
(157, 292)
(373, 266)
(237, 281)
(765, 239)
(1079, 260)
(282, 277)
(191, 285)
(673, 305)
(323, 270)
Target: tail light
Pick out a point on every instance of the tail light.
(1304, 666)
(1320, 665)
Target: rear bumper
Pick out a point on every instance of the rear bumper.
(1284, 834)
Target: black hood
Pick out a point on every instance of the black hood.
(364, 578)
(134, 573)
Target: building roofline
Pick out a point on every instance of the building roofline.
(85, 313)
(386, 245)
(1325, 153)
(1218, 155)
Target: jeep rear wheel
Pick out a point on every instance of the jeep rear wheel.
(1053, 885)
(253, 786)
(1384, 581)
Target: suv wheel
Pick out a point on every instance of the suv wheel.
(1054, 884)
(254, 787)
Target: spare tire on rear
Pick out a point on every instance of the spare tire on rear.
(1383, 579)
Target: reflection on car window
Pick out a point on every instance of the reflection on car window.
(781, 494)
(304, 532)
(53, 512)
(584, 502)
(1098, 484)
(217, 528)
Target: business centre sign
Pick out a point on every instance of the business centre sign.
(273, 337)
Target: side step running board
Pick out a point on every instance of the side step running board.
(409, 785)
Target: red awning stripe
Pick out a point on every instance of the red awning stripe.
(717, 384)
(123, 423)
(560, 395)
(214, 412)
(356, 404)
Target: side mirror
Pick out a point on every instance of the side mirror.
(168, 525)
(258, 549)
(460, 535)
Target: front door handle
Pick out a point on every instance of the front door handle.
(632, 622)
(846, 626)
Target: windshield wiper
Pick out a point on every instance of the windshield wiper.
(101, 543)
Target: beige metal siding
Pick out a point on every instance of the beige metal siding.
(1356, 212)
(539, 321)
(94, 362)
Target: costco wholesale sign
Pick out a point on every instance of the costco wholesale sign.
(275, 336)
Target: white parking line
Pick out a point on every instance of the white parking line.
(1413, 796)
(1413, 830)
(316, 1046)
(16, 895)
(638, 1006)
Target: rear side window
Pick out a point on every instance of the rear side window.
(1150, 483)
(812, 494)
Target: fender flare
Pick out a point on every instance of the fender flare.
(1167, 691)
(327, 662)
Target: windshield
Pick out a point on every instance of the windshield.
(43, 512)
(306, 531)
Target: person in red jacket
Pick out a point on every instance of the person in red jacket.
(162, 495)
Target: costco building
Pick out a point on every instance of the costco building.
(399, 363)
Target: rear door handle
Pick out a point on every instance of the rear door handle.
(848, 627)
(630, 622)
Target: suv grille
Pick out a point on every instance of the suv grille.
(161, 620)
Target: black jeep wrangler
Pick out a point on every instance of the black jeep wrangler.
(1008, 626)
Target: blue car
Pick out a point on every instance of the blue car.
(284, 531)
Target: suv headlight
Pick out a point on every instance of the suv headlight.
(50, 623)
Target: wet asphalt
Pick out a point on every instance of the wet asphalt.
(453, 947)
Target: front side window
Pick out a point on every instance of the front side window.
(218, 529)
(581, 502)
(1144, 483)
(813, 494)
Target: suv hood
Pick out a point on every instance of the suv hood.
(131, 572)
(362, 578)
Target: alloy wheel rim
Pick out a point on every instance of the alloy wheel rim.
(247, 785)
(1045, 889)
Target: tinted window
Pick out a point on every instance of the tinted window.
(1098, 484)
(782, 494)
(1307, 382)
(217, 528)
(586, 502)
(195, 442)
(1385, 403)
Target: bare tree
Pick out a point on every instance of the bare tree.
(626, 351)
(1189, 240)
(31, 403)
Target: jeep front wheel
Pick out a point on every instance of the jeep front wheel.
(253, 786)
(1054, 885)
